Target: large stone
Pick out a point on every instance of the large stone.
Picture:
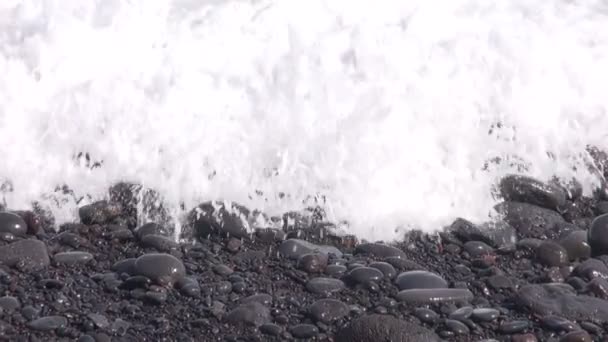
(379, 250)
(99, 212)
(375, 328)
(528, 219)
(525, 189)
(161, 268)
(219, 218)
(295, 248)
(249, 314)
(28, 255)
(496, 233)
(12, 223)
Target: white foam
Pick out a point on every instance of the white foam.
(384, 108)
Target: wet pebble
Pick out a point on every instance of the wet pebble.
(222, 270)
(598, 235)
(304, 331)
(485, 314)
(151, 228)
(426, 315)
(477, 248)
(159, 242)
(124, 266)
(576, 245)
(552, 254)
(461, 313)
(72, 258)
(457, 327)
(328, 310)
(431, 296)
(379, 250)
(528, 219)
(591, 268)
(576, 336)
(161, 268)
(324, 286)
(377, 327)
(12, 223)
(9, 304)
(271, 329)
(513, 327)
(250, 314)
(499, 282)
(558, 323)
(335, 270)
(28, 255)
(99, 212)
(48, 323)
(526, 189)
(295, 248)
(313, 262)
(262, 298)
(387, 269)
(365, 275)
(100, 321)
(420, 280)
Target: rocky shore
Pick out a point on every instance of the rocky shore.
(539, 274)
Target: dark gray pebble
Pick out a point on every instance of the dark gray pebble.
(28, 255)
(461, 313)
(364, 275)
(135, 282)
(271, 329)
(373, 328)
(335, 270)
(485, 314)
(153, 297)
(304, 331)
(497, 234)
(124, 266)
(431, 296)
(328, 310)
(9, 303)
(526, 189)
(262, 298)
(48, 323)
(552, 254)
(420, 280)
(387, 269)
(598, 235)
(576, 245)
(12, 223)
(250, 314)
(528, 219)
(558, 323)
(99, 212)
(457, 327)
(513, 327)
(426, 315)
(498, 282)
(591, 268)
(159, 242)
(379, 250)
(188, 287)
(100, 321)
(324, 286)
(477, 248)
(222, 270)
(72, 258)
(151, 228)
(161, 268)
(295, 248)
(576, 336)
(313, 262)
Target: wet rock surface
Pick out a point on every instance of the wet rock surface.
(538, 273)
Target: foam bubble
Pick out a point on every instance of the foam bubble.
(382, 110)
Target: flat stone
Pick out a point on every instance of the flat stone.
(249, 314)
(529, 220)
(304, 331)
(426, 315)
(9, 304)
(161, 268)
(379, 250)
(374, 328)
(457, 327)
(420, 280)
(295, 248)
(560, 300)
(328, 310)
(485, 314)
(28, 255)
(12, 223)
(325, 286)
(526, 189)
(365, 275)
(558, 323)
(335, 270)
(432, 296)
(48, 323)
(462, 313)
(387, 269)
(72, 258)
(100, 321)
(513, 327)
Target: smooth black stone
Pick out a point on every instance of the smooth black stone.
(222, 270)
(420, 280)
(9, 304)
(498, 282)
(558, 323)
(601, 208)
(27, 255)
(431, 296)
(477, 248)
(525, 189)
(560, 300)
(214, 218)
(328, 310)
(598, 287)
(598, 235)
(151, 228)
(576, 245)
(576, 336)
(529, 243)
(136, 282)
(529, 220)
(324, 286)
(271, 329)
(364, 275)
(335, 270)
(12, 223)
(157, 298)
(591, 268)
(513, 327)
(121, 235)
(552, 254)
(99, 212)
(189, 287)
(426, 315)
(159, 242)
(374, 328)
(124, 266)
(379, 250)
(387, 269)
(48, 323)
(592, 328)
(457, 327)
(295, 248)
(239, 287)
(71, 239)
(72, 258)
(461, 313)
(100, 321)
(313, 262)
(249, 314)
(304, 331)
(497, 234)
(485, 314)
(160, 268)
(262, 298)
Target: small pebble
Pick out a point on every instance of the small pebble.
(304, 331)
(420, 280)
(324, 286)
(513, 327)
(48, 323)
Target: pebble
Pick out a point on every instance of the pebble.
(598, 235)
(262, 298)
(375, 327)
(153, 297)
(498, 282)
(271, 329)
(526, 189)
(72, 258)
(324, 286)
(591, 268)
(477, 249)
(222, 270)
(426, 315)
(151, 228)
(159, 242)
(100, 321)
(576, 336)
(431, 296)
(576, 245)
(513, 327)
(403, 264)
(250, 314)
(457, 327)
(124, 266)
(12, 223)
(485, 314)
(558, 323)
(461, 313)
(295, 248)
(379, 250)
(304, 331)
(528, 219)
(48, 323)
(387, 269)
(552, 254)
(328, 310)
(28, 255)
(163, 269)
(312, 262)
(420, 280)
(9, 304)
(335, 270)
(99, 212)
(497, 234)
(524, 338)
(365, 275)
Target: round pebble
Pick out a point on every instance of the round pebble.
(387, 269)
(576, 245)
(304, 331)
(420, 280)
(335, 270)
(477, 249)
(271, 329)
(457, 327)
(312, 262)
(324, 286)
(328, 310)
(485, 314)
(249, 314)
(462, 313)
(598, 235)
(430, 296)
(576, 336)
(365, 275)
(161, 268)
(552, 254)
(12, 223)
(513, 327)
(9, 303)
(426, 315)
